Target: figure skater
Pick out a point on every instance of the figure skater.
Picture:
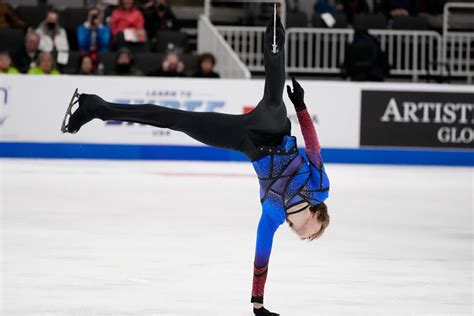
(292, 187)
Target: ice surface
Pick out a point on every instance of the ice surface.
(177, 238)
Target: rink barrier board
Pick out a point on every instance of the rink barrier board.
(394, 156)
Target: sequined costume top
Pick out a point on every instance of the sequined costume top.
(287, 180)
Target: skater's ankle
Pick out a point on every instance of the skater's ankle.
(257, 305)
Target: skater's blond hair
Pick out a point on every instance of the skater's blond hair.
(323, 217)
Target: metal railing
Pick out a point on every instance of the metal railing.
(247, 42)
(314, 50)
(458, 46)
(209, 40)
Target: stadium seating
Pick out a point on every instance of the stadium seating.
(73, 63)
(410, 23)
(61, 4)
(147, 62)
(341, 21)
(32, 15)
(370, 21)
(191, 63)
(296, 19)
(164, 38)
(70, 19)
(16, 3)
(11, 40)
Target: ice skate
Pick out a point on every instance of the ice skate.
(84, 113)
(65, 124)
(275, 34)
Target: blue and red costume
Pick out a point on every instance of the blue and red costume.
(287, 180)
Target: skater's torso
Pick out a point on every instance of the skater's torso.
(288, 182)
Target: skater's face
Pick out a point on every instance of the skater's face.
(312, 226)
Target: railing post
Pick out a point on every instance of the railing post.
(207, 8)
(415, 60)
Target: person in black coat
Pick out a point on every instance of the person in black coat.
(206, 67)
(25, 58)
(159, 17)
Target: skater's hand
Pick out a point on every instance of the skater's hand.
(297, 96)
(262, 311)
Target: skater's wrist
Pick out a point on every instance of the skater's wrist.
(300, 107)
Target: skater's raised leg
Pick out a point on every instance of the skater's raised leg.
(268, 122)
(213, 129)
(275, 72)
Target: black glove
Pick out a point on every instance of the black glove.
(262, 311)
(297, 96)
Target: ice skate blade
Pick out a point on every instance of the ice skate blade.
(74, 100)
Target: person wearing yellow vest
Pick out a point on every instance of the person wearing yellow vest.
(5, 64)
(44, 65)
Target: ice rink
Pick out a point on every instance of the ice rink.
(177, 238)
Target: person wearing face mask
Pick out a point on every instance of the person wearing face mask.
(159, 17)
(53, 37)
(124, 64)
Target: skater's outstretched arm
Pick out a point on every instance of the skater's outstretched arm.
(267, 226)
(313, 148)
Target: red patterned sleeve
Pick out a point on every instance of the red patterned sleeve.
(313, 149)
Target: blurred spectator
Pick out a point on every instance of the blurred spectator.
(86, 66)
(6, 64)
(159, 17)
(52, 36)
(44, 65)
(206, 67)
(352, 7)
(364, 59)
(26, 57)
(393, 8)
(324, 6)
(172, 66)
(433, 11)
(93, 36)
(126, 16)
(8, 17)
(124, 64)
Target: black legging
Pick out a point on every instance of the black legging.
(266, 125)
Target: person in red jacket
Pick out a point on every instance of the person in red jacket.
(126, 16)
